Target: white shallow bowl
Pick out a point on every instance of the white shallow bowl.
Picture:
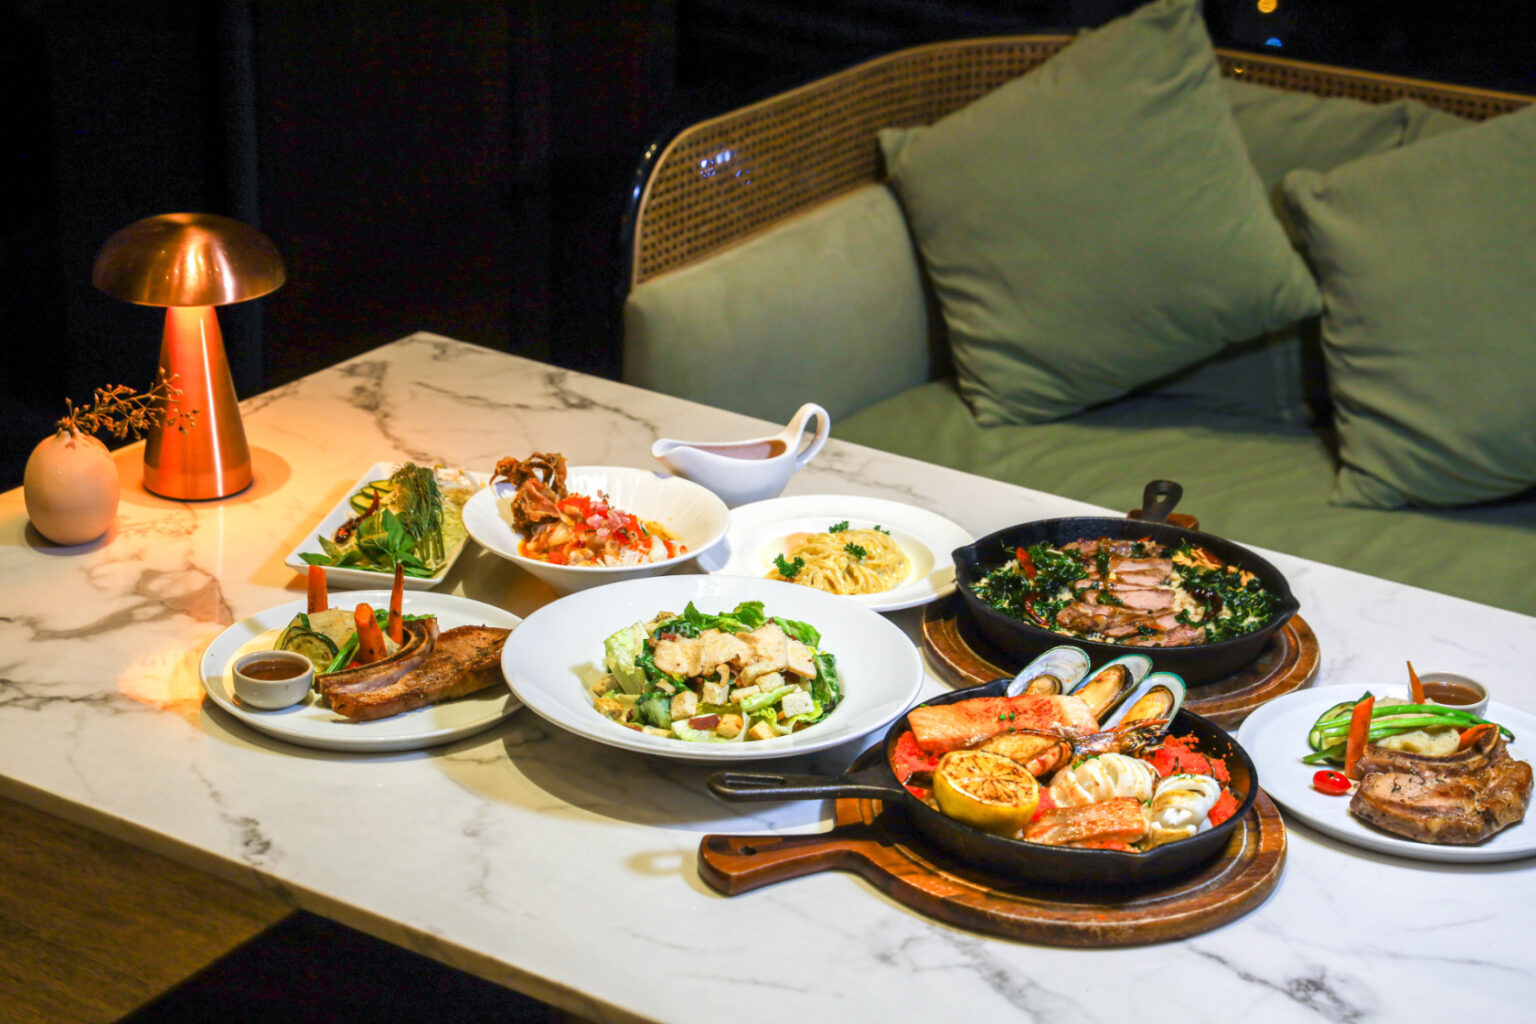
(559, 649)
(692, 513)
(759, 530)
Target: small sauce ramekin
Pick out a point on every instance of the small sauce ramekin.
(260, 682)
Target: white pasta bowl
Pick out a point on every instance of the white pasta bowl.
(691, 513)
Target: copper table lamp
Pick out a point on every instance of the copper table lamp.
(190, 263)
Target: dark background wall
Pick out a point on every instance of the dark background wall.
(454, 165)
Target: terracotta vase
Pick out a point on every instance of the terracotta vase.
(71, 489)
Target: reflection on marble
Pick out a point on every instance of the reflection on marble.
(568, 869)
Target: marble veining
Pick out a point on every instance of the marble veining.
(568, 869)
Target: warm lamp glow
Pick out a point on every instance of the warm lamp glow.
(189, 263)
(1268, 6)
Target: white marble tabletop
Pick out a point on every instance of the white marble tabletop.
(568, 870)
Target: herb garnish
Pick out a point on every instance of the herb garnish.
(788, 570)
(838, 527)
(856, 551)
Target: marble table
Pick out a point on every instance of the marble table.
(567, 870)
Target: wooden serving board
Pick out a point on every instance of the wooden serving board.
(889, 853)
(1288, 662)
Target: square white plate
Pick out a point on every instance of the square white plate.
(351, 577)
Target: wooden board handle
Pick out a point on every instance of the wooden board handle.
(738, 864)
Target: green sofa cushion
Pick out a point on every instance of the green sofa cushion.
(1106, 197)
(1253, 481)
(1427, 259)
(828, 307)
(1279, 376)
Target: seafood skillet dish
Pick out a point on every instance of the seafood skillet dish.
(1094, 767)
(575, 529)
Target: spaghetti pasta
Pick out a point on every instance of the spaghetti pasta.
(844, 561)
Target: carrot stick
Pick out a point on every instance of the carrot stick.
(370, 639)
(318, 601)
(1359, 729)
(1415, 688)
(396, 601)
(1470, 737)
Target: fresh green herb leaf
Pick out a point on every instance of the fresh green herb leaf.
(856, 551)
(789, 570)
(838, 527)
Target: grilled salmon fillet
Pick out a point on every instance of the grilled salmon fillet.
(1116, 820)
(940, 728)
(464, 659)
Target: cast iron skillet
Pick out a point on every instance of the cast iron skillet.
(1197, 663)
(1031, 863)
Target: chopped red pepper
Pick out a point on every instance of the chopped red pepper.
(1226, 806)
(1025, 562)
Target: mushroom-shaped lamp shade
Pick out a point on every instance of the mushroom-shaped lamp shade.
(190, 263)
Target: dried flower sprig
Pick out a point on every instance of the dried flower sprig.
(119, 410)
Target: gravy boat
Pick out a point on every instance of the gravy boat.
(746, 471)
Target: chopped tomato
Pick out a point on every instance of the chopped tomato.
(1332, 783)
(1226, 806)
(1177, 757)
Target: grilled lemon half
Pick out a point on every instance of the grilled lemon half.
(987, 791)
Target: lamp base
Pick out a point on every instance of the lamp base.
(209, 458)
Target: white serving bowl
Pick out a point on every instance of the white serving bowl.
(692, 513)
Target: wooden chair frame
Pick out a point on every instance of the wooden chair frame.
(725, 179)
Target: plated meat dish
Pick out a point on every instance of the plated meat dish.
(562, 528)
(374, 664)
(1131, 592)
(1093, 768)
(1458, 799)
(1427, 772)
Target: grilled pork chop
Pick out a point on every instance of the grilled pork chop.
(465, 659)
(420, 637)
(1456, 800)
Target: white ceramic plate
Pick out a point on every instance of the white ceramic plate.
(880, 671)
(693, 514)
(758, 531)
(1275, 736)
(312, 724)
(351, 577)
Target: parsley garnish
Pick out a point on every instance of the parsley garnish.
(838, 527)
(881, 529)
(789, 570)
(855, 551)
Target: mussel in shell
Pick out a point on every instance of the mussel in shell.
(1052, 673)
(1105, 689)
(1159, 696)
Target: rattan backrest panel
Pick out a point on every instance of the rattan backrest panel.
(723, 180)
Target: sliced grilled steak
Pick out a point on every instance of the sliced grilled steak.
(465, 659)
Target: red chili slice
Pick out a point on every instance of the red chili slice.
(1332, 783)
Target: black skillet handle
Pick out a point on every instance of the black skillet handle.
(732, 784)
(1159, 499)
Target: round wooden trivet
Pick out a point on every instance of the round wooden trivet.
(1288, 662)
(886, 851)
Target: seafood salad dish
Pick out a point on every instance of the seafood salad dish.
(1131, 592)
(730, 677)
(843, 560)
(413, 519)
(374, 663)
(1421, 770)
(574, 529)
(1093, 767)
